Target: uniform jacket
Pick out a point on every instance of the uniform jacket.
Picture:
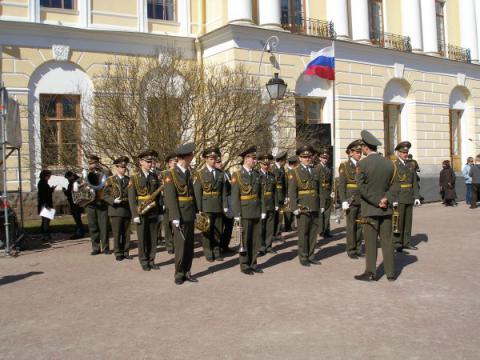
(269, 190)
(281, 186)
(347, 185)
(140, 185)
(116, 186)
(404, 188)
(325, 177)
(304, 188)
(180, 195)
(247, 195)
(374, 175)
(210, 191)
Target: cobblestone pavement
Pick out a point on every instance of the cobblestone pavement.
(62, 303)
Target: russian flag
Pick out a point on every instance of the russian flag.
(323, 64)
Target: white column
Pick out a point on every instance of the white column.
(468, 28)
(360, 21)
(269, 14)
(183, 12)
(84, 12)
(34, 10)
(477, 17)
(337, 12)
(142, 14)
(240, 11)
(412, 23)
(429, 27)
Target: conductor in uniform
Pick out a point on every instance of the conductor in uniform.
(303, 191)
(374, 175)
(405, 195)
(182, 209)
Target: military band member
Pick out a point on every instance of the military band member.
(116, 195)
(247, 209)
(171, 161)
(228, 214)
(144, 188)
(303, 191)
(374, 174)
(405, 195)
(209, 184)
(349, 195)
(288, 217)
(182, 209)
(97, 210)
(278, 171)
(270, 203)
(325, 175)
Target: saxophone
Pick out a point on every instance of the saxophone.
(149, 203)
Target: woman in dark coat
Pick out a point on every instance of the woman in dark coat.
(45, 200)
(447, 184)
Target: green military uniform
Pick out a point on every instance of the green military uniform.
(142, 187)
(288, 217)
(404, 192)
(280, 190)
(349, 194)
(227, 216)
(210, 195)
(247, 206)
(303, 191)
(374, 174)
(269, 206)
(166, 224)
(325, 177)
(97, 210)
(182, 209)
(116, 195)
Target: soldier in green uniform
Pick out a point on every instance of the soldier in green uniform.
(227, 212)
(144, 188)
(247, 209)
(374, 175)
(405, 195)
(97, 211)
(303, 191)
(325, 176)
(288, 217)
(182, 209)
(270, 203)
(210, 195)
(171, 161)
(278, 171)
(349, 195)
(116, 195)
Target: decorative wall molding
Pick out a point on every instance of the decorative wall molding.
(399, 70)
(461, 79)
(61, 52)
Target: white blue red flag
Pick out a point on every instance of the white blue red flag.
(323, 64)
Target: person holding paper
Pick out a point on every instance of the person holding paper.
(45, 202)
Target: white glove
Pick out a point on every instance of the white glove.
(176, 223)
(117, 200)
(276, 208)
(237, 218)
(332, 195)
(345, 205)
(417, 202)
(75, 186)
(395, 204)
(163, 207)
(263, 216)
(322, 210)
(225, 210)
(287, 200)
(137, 220)
(296, 212)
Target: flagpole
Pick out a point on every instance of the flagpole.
(334, 141)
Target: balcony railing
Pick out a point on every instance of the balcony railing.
(456, 53)
(301, 25)
(391, 41)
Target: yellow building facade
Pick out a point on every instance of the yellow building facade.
(405, 69)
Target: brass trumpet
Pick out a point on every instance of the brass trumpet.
(239, 238)
(396, 220)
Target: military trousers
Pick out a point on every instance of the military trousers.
(226, 232)
(324, 218)
(268, 231)
(405, 226)
(97, 216)
(211, 239)
(251, 236)
(147, 232)
(121, 235)
(183, 238)
(379, 226)
(168, 232)
(354, 231)
(277, 223)
(288, 221)
(307, 235)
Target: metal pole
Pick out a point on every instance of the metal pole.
(333, 114)
(3, 113)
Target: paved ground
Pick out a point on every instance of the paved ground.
(61, 303)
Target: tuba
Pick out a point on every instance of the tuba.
(396, 220)
(202, 222)
(92, 183)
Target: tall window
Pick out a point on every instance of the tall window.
(391, 118)
(376, 20)
(439, 10)
(455, 139)
(59, 4)
(161, 9)
(292, 11)
(60, 129)
(308, 111)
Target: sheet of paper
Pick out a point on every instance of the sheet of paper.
(47, 213)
